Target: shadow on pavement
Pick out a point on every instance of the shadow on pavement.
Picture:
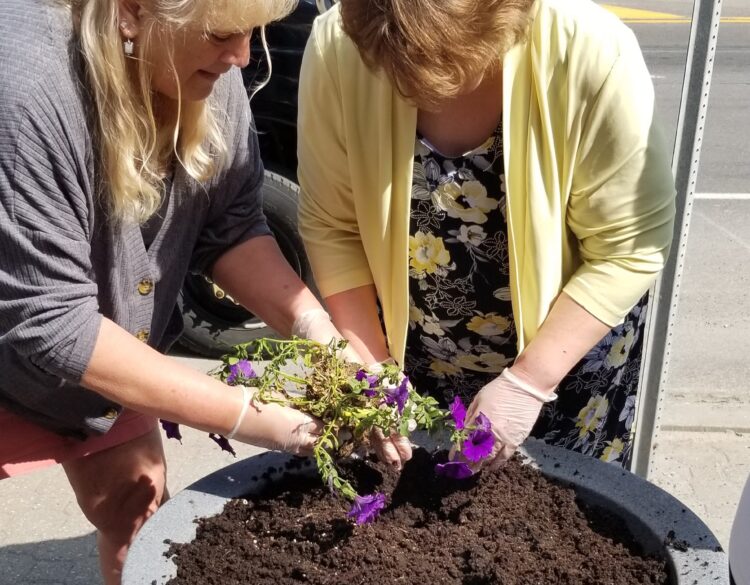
(70, 561)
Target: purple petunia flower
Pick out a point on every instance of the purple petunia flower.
(362, 374)
(458, 413)
(172, 430)
(478, 445)
(366, 508)
(482, 423)
(453, 470)
(372, 381)
(398, 395)
(242, 369)
(222, 442)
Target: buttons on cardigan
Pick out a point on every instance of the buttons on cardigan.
(145, 287)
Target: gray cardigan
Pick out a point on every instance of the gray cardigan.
(63, 264)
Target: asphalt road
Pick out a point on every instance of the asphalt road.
(712, 327)
(724, 166)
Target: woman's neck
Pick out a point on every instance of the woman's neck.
(165, 116)
(466, 121)
(165, 110)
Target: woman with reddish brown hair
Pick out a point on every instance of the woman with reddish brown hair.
(485, 179)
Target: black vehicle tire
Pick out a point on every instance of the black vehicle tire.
(213, 325)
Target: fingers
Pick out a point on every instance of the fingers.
(472, 411)
(506, 452)
(304, 435)
(386, 453)
(501, 452)
(312, 426)
(453, 453)
(402, 445)
(302, 441)
(385, 449)
(305, 449)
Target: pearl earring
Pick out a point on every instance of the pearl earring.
(127, 44)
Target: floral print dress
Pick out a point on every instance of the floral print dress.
(461, 328)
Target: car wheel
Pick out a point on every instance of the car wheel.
(213, 322)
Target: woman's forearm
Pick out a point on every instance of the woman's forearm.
(129, 372)
(567, 334)
(355, 314)
(256, 275)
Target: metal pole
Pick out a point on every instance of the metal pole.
(704, 32)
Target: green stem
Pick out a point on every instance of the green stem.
(293, 378)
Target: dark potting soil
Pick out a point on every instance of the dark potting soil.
(509, 527)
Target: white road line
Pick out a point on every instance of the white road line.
(734, 196)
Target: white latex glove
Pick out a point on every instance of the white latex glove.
(395, 449)
(316, 325)
(512, 406)
(274, 426)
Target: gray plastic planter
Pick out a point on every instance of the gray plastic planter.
(659, 521)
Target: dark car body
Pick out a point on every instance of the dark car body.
(275, 105)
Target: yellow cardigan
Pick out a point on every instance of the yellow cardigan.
(590, 201)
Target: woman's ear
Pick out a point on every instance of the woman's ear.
(130, 17)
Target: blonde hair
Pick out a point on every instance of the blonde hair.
(433, 50)
(133, 145)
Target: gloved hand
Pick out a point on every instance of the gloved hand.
(316, 325)
(512, 406)
(274, 426)
(395, 449)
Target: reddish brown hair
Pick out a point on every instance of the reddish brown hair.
(434, 49)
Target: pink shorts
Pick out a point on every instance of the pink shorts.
(26, 447)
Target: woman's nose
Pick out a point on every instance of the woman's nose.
(237, 52)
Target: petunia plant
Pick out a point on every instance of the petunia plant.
(352, 402)
(473, 441)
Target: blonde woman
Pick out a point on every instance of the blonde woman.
(128, 158)
(489, 173)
